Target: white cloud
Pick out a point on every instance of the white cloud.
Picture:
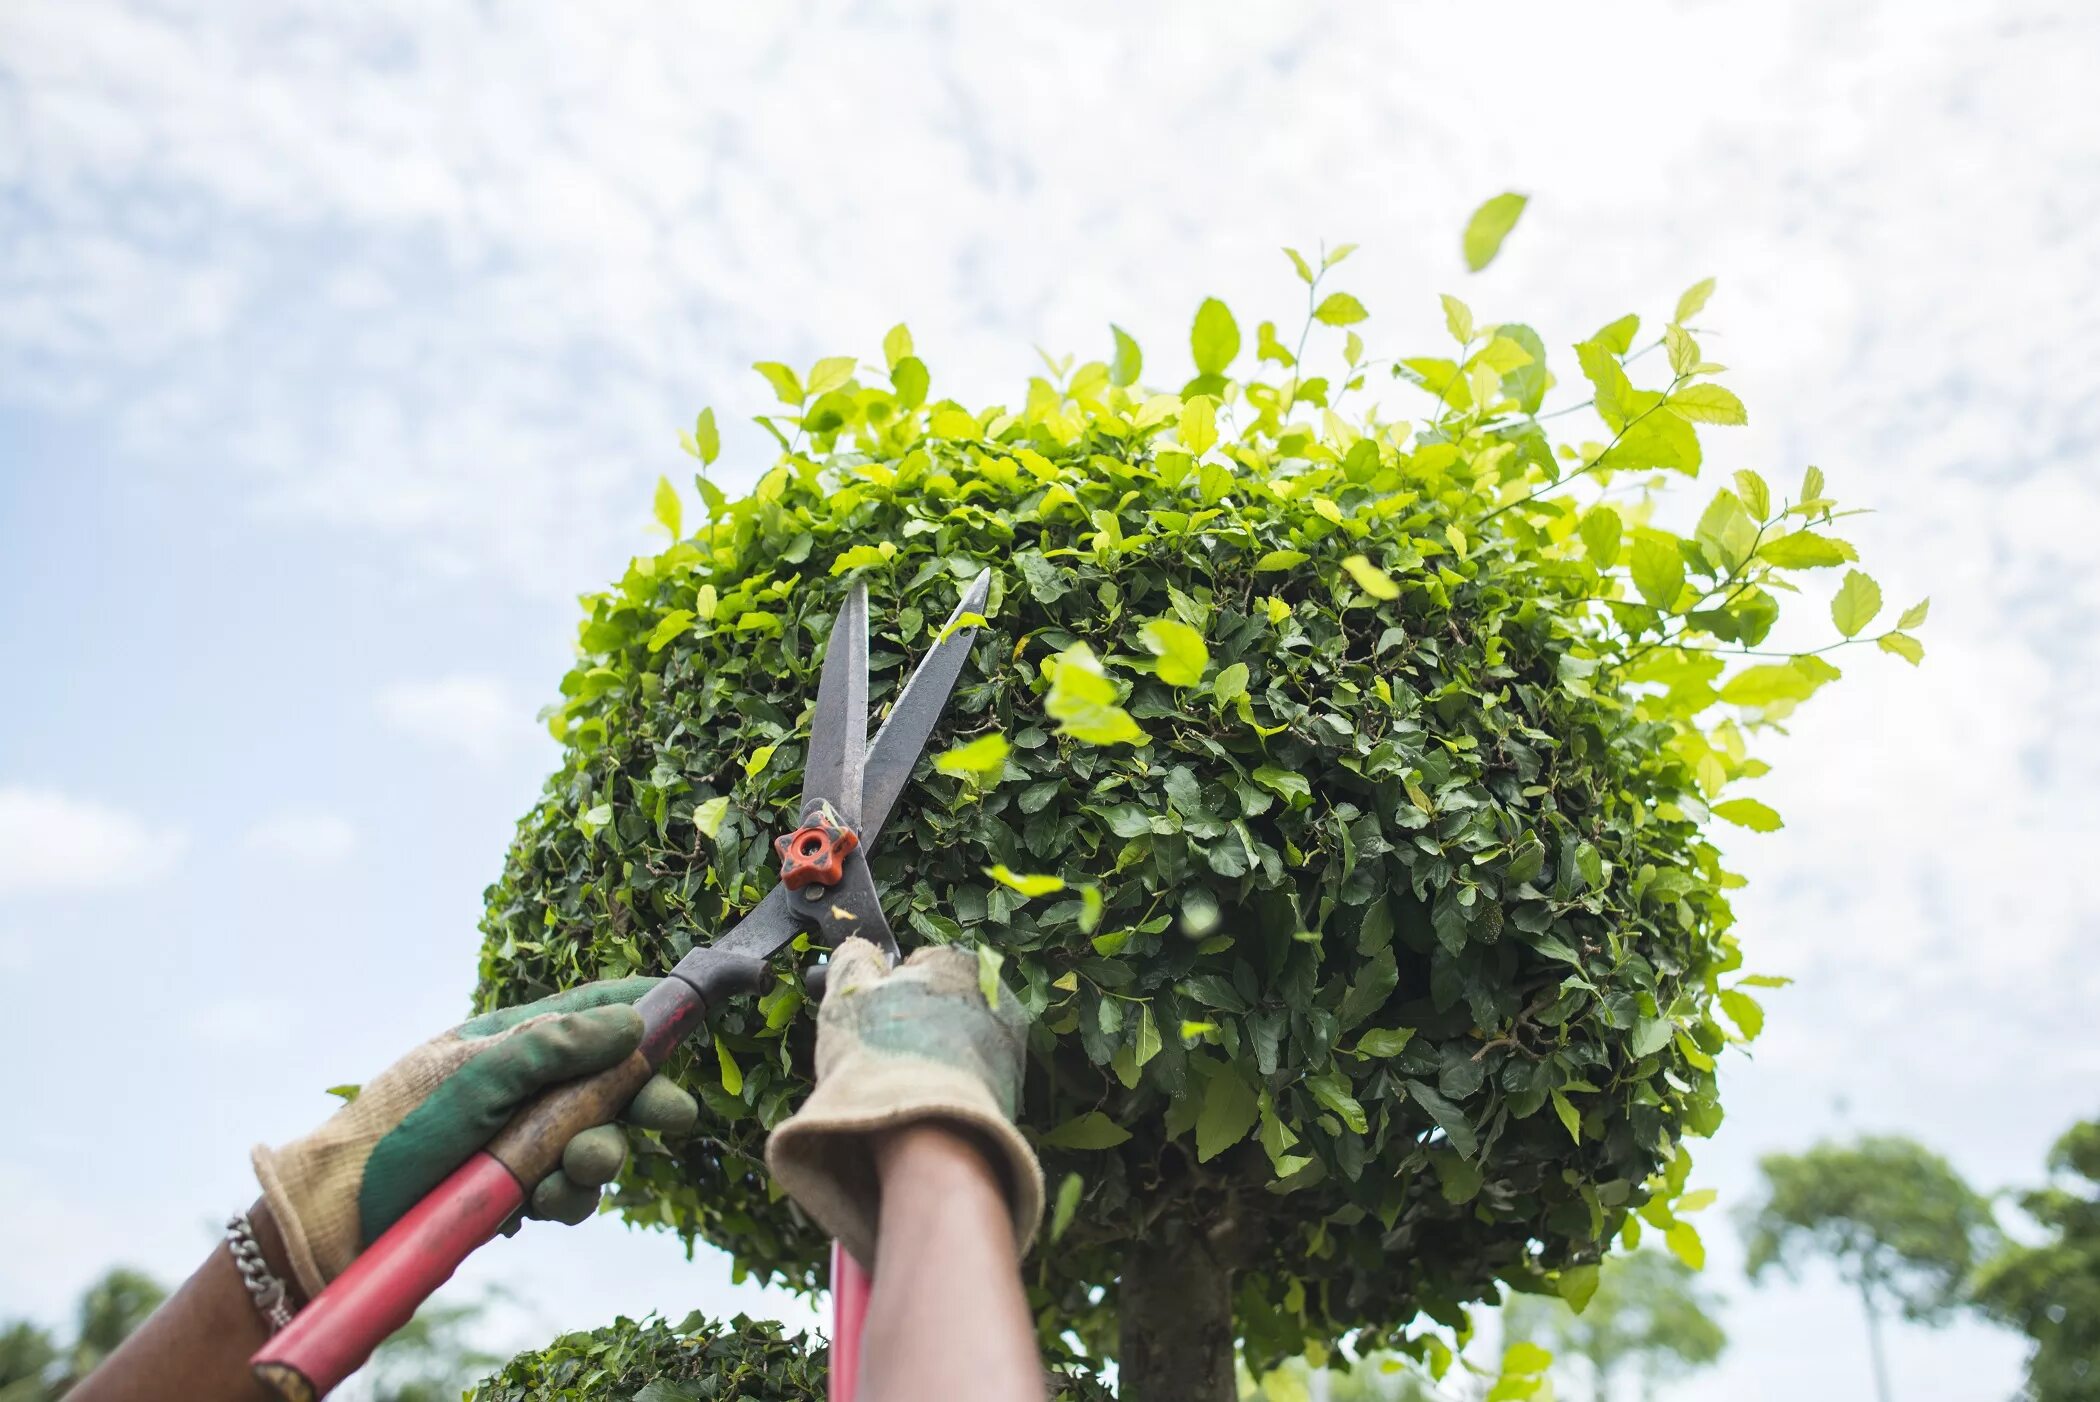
(52, 841)
(306, 836)
(478, 716)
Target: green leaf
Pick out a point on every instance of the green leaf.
(1457, 1126)
(910, 379)
(1215, 338)
(1915, 614)
(1683, 1240)
(1339, 309)
(1370, 578)
(707, 440)
(1748, 813)
(1331, 1089)
(732, 1074)
(1858, 600)
(1708, 404)
(669, 513)
(830, 373)
(1305, 273)
(1230, 683)
(1577, 1286)
(1614, 392)
(1771, 683)
(669, 628)
(1028, 885)
(1525, 1357)
(1744, 1011)
(1693, 301)
(1903, 645)
(861, 557)
(1697, 1200)
(1601, 531)
(1756, 496)
(1229, 1111)
(1287, 782)
(1651, 1035)
(760, 758)
(1181, 651)
(1128, 362)
(1570, 1117)
(1198, 425)
(1082, 700)
(896, 345)
(1458, 319)
(989, 961)
(1068, 1193)
(1384, 1041)
(1093, 1130)
(1280, 560)
(708, 816)
(787, 386)
(980, 761)
(1490, 225)
(1658, 569)
(1805, 550)
(345, 1093)
(1147, 1044)
(594, 820)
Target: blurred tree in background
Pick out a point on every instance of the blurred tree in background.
(1650, 1317)
(2051, 1291)
(1895, 1219)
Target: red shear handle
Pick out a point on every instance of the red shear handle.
(850, 1289)
(332, 1337)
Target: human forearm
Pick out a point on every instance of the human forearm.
(948, 1318)
(196, 1346)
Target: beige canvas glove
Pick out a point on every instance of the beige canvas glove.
(337, 1189)
(895, 1047)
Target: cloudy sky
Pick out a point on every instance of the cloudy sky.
(341, 346)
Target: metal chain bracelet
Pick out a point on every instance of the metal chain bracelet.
(271, 1298)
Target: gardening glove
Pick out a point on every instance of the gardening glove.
(337, 1189)
(897, 1046)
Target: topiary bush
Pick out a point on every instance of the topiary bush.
(1334, 789)
(696, 1360)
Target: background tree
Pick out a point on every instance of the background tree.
(1650, 1316)
(1895, 1219)
(28, 1362)
(1334, 794)
(34, 1367)
(2051, 1291)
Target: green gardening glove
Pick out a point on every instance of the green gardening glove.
(336, 1190)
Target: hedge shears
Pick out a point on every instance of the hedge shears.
(849, 787)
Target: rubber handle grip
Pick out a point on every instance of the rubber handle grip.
(850, 1291)
(333, 1336)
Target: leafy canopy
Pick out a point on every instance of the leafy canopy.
(1332, 785)
(1897, 1221)
(1649, 1315)
(2050, 1290)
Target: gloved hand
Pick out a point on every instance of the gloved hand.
(895, 1047)
(336, 1190)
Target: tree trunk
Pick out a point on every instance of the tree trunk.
(1881, 1367)
(1175, 1323)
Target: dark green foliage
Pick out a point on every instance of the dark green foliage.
(1404, 971)
(2051, 1291)
(697, 1360)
